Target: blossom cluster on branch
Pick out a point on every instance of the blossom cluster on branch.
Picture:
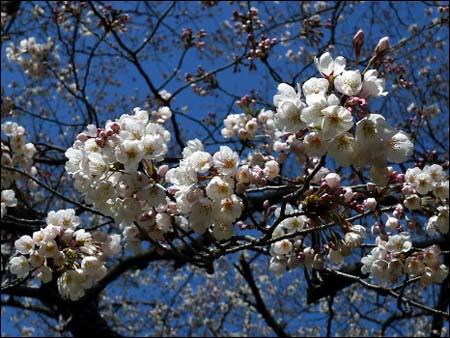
(74, 256)
(16, 153)
(34, 58)
(120, 171)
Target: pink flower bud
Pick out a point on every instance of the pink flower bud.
(358, 41)
(392, 222)
(382, 45)
(348, 195)
(333, 180)
(115, 127)
(407, 189)
(370, 204)
(162, 170)
(82, 137)
(100, 142)
(399, 208)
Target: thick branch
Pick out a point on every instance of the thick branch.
(260, 306)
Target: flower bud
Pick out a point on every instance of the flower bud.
(358, 41)
(370, 204)
(162, 170)
(333, 180)
(392, 223)
(407, 190)
(348, 195)
(382, 46)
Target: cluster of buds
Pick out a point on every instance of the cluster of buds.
(66, 10)
(357, 106)
(61, 250)
(246, 102)
(394, 256)
(312, 29)
(207, 83)
(102, 134)
(247, 22)
(256, 174)
(113, 19)
(261, 47)
(209, 3)
(190, 40)
(16, 153)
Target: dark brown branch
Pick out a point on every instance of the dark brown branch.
(260, 306)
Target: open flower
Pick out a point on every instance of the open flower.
(337, 120)
(327, 66)
(226, 161)
(24, 245)
(349, 83)
(19, 266)
(372, 85)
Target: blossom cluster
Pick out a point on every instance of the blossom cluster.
(420, 186)
(16, 153)
(34, 58)
(325, 117)
(206, 187)
(245, 126)
(431, 178)
(115, 166)
(291, 249)
(8, 200)
(75, 256)
(390, 259)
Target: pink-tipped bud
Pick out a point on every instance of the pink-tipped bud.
(162, 170)
(370, 203)
(407, 189)
(115, 127)
(100, 142)
(348, 195)
(102, 134)
(324, 185)
(333, 180)
(382, 46)
(358, 41)
(266, 204)
(82, 137)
